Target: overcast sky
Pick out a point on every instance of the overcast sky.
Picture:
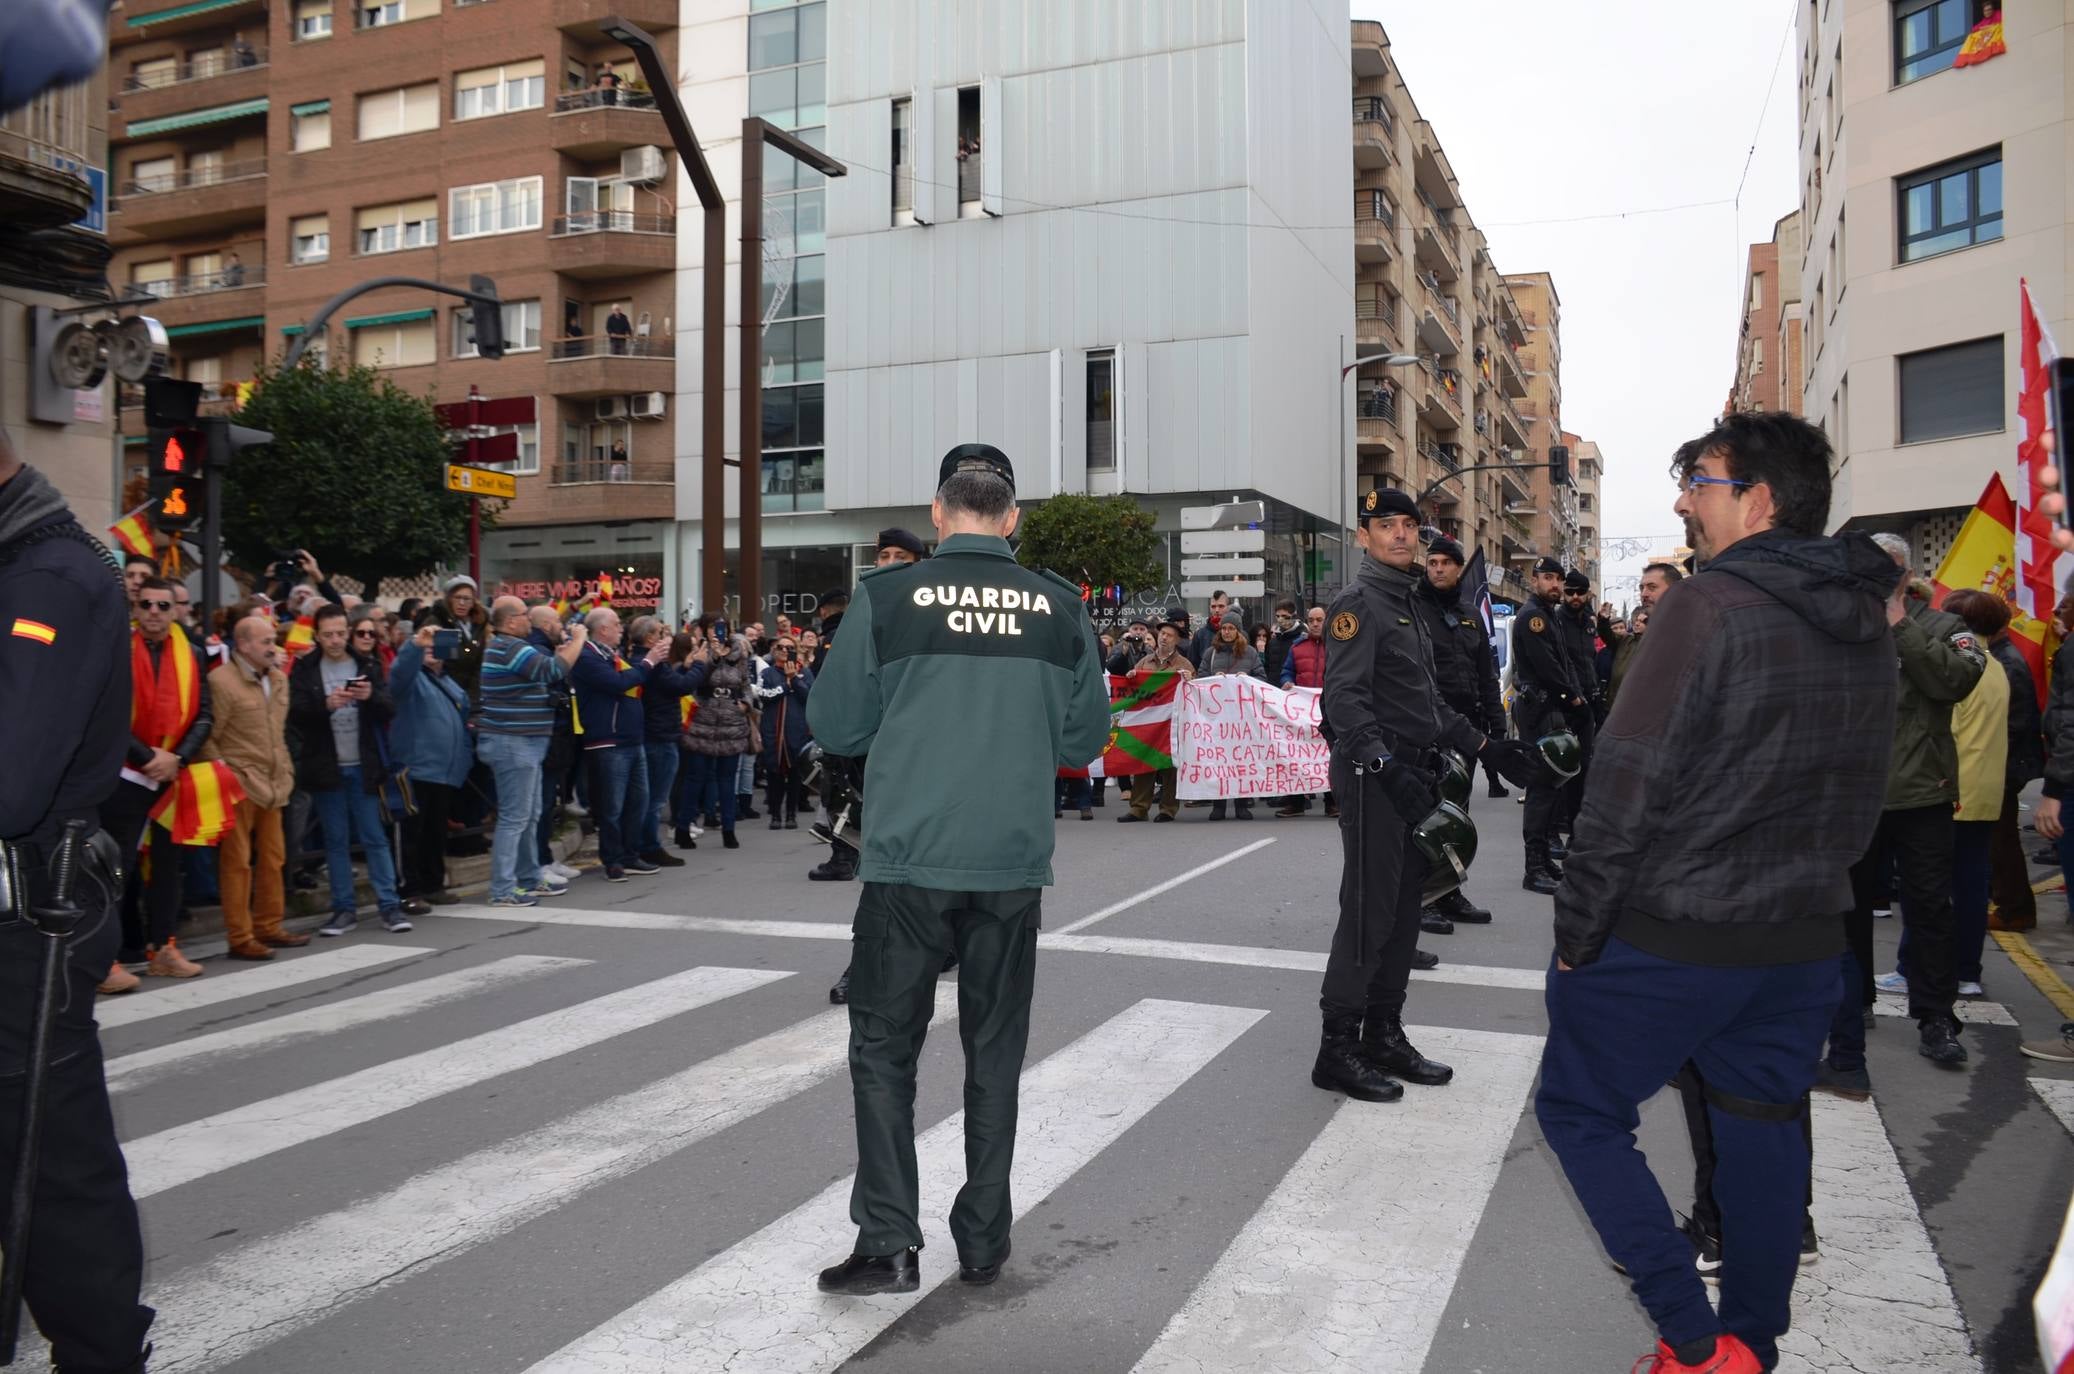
(1552, 111)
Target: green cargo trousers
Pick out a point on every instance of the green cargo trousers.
(901, 936)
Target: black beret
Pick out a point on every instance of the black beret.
(1382, 502)
(976, 458)
(1176, 617)
(838, 597)
(902, 539)
(1548, 565)
(1575, 581)
(1446, 547)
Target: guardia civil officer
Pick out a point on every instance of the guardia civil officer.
(967, 656)
(1385, 721)
(1580, 626)
(65, 677)
(1466, 672)
(1546, 695)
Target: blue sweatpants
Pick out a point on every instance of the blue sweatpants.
(1618, 1030)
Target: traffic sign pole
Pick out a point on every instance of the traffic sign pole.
(474, 501)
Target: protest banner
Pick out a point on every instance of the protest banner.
(1235, 736)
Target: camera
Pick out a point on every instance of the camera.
(286, 567)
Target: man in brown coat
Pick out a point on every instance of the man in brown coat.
(251, 698)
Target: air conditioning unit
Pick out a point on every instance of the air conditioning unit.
(612, 408)
(644, 164)
(646, 405)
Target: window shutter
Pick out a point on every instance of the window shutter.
(1946, 392)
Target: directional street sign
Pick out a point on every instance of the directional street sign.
(1223, 541)
(1223, 567)
(1230, 515)
(1235, 587)
(481, 481)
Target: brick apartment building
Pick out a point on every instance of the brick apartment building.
(1768, 357)
(268, 154)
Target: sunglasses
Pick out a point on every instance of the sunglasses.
(365, 634)
(155, 605)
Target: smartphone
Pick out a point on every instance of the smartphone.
(360, 681)
(446, 644)
(722, 631)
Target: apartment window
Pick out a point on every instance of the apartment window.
(1101, 410)
(793, 351)
(593, 203)
(405, 343)
(791, 97)
(153, 174)
(204, 62)
(312, 19)
(1947, 392)
(601, 452)
(903, 162)
(205, 168)
(1756, 357)
(1927, 35)
(1757, 290)
(394, 228)
(521, 329)
(310, 129)
(159, 71)
(785, 37)
(375, 14)
(969, 151)
(494, 207)
(500, 90)
(309, 239)
(156, 278)
(804, 285)
(1952, 206)
(403, 110)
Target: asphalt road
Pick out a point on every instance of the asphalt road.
(618, 1138)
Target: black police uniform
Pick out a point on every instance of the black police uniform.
(1579, 628)
(1466, 672)
(65, 677)
(1545, 698)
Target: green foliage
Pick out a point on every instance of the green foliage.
(356, 474)
(1100, 540)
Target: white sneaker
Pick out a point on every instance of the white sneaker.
(548, 886)
(1891, 982)
(561, 870)
(1971, 990)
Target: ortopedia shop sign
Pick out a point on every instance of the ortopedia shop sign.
(627, 591)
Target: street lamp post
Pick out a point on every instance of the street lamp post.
(1387, 360)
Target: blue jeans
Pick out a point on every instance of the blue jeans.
(514, 762)
(713, 786)
(351, 814)
(619, 799)
(662, 772)
(1618, 1030)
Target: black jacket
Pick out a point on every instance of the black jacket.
(1541, 665)
(1464, 667)
(1744, 767)
(662, 697)
(1379, 692)
(2026, 723)
(1580, 629)
(1278, 643)
(309, 724)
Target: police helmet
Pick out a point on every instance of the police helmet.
(1562, 753)
(1447, 837)
(808, 763)
(1457, 778)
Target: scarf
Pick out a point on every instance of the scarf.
(28, 501)
(164, 699)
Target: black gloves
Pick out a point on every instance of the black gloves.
(1412, 791)
(1514, 759)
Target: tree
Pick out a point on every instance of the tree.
(356, 474)
(1101, 541)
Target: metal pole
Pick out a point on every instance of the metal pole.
(212, 545)
(315, 326)
(713, 374)
(474, 502)
(750, 575)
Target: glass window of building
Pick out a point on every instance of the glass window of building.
(1951, 206)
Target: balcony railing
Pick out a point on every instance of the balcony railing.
(1448, 456)
(1374, 205)
(198, 67)
(606, 468)
(1373, 109)
(191, 177)
(51, 130)
(613, 346)
(1379, 404)
(614, 222)
(1377, 319)
(1439, 215)
(969, 181)
(594, 99)
(203, 283)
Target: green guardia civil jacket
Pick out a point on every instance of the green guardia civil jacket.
(969, 680)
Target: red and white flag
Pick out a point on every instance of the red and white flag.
(2044, 568)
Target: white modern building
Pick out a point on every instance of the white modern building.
(1112, 239)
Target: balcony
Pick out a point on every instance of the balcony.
(1375, 417)
(1440, 399)
(159, 20)
(597, 124)
(1512, 427)
(225, 76)
(45, 148)
(590, 367)
(1512, 377)
(580, 18)
(1510, 322)
(1434, 252)
(599, 489)
(595, 244)
(1440, 321)
(204, 297)
(1375, 133)
(198, 200)
(1375, 227)
(1375, 321)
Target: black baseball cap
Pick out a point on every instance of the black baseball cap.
(976, 458)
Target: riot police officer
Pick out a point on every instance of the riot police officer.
(1580, 627)
(1385, 721)
(1466, 672)
(1546, 696)
(65, 676)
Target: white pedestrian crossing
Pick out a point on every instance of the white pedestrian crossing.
(754, 1308)
(196, 1149)
(201, 1051)
(2058, 1096)
(155, 999)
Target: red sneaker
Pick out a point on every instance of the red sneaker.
(1730, 1356)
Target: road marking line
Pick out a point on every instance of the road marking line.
(753, 1309)
(2042, 975)
(196, 1149)
(1350, 1262)
(1971, 1011)
(143, 1005)
(135, 1070)
(259, 1293)
(1878, 1298)
(658, 920)
(1168, 886)
(2058, 1095)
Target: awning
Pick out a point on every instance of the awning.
(138, 21)
(166, 124)
(185, 331)
(394, 317)
(310, 107)
(291, 330)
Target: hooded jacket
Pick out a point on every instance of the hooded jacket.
(1741, 772)
(430, 736)
(1941, 663)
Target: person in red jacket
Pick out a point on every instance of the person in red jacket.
(1304, 666)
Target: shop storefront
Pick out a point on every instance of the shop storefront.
(572, 562)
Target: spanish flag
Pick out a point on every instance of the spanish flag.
(200, 805)
(1984, 42)
(604, 589)
(133, 531)
(1983, 558)
(302, 637)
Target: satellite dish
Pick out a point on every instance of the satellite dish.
(138, 348)
(79, 357)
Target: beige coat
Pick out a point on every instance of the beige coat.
(250, 733)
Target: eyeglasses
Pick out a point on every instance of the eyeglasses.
(1698, 480)
(154, 605)
(364, 634)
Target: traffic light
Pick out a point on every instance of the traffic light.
(1559, 466)
(178, 476)
(486, 318)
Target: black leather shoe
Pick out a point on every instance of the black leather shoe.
(1433, 923)
(1383, 1045)
(1341, 1067)
(662, 858)
(980, 1275)
(1422, 960)
(684, 839)
(1542, 881)
(1461, 910)
(950, 961)
(1940, 1044)
(1498, 789)
(416, 906)
(899, 1272)
(1557, 850)
(840, 993)
(832, 871)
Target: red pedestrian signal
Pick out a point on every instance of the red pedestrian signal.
(174, 457)
(177, 472)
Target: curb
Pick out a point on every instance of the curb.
(2042, 975)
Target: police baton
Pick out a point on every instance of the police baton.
(55, 919)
